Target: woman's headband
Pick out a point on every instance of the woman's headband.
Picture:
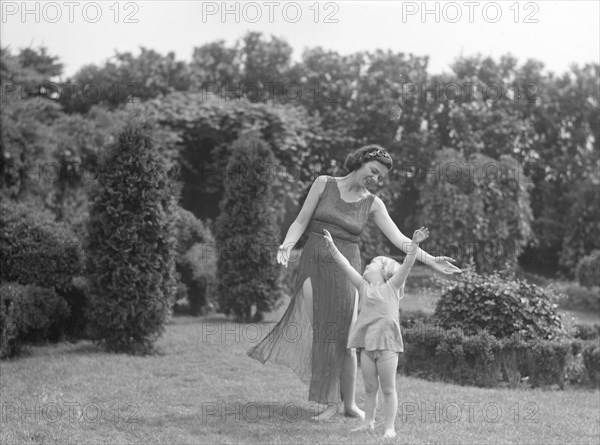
(377, 153)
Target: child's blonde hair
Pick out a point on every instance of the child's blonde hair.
(390, 266)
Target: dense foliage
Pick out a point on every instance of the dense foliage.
(195, 262)
(481, 359)
(131, 245)
(588, 269)
(28, 312)
(312, 112)
(499, 305)
(247, 236)
(36, 249)
(478, 208)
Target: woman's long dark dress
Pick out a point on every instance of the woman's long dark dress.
(315, 349)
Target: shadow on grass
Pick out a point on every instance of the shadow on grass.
(85, 347)
(227, 413)
(182, 319)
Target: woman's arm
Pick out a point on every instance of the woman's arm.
(299, 225)
(397, 238)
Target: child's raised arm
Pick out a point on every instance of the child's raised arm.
(354, 277)
(399, 277)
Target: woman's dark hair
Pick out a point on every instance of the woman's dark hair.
(366, 154)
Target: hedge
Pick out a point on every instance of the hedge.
(435, 353)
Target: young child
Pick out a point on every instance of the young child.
(376, 331)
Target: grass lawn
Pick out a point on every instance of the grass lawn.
(203, 388)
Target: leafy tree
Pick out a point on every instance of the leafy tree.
(27, 145)
(124, 79)
(477, 207)
(79, 143)
(582, 232)
(29, 74)
(247, 235)
(26, 119)
(564, 149)
(203, 129)
(131, 247)
(214, 65)
(255, 69)
(265, 65)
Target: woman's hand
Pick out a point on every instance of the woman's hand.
(283, 254)
(442, 264)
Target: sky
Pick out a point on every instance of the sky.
(557, 33)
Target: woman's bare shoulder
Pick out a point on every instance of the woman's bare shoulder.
(377, 204)
(319, 184)
(325, 178)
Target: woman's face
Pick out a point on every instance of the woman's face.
(370, 173)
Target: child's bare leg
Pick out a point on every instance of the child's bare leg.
(386, 369)
(369, 372)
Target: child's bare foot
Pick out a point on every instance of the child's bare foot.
(389, 434)
(365, 427)
(355, 411)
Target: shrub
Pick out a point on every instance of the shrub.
(499, 305)
(450, 355)
(27, 312)
(588, 270)
(512, 356)
(196, 261)
(247, 236)
(411, 318)
(36, 249)
(482, 368)
(76, 296)
(482, 360)
(591, 359)
(547, 362)
(576, 371)
(420, 351)
(198, 270)
(131, 246)
(586, 332)
(579, 297)
(190, 230)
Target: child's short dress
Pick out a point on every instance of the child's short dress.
(377, 327)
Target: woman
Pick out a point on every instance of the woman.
(312, 335)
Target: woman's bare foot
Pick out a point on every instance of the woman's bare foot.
(355, 411)
(325, 413)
